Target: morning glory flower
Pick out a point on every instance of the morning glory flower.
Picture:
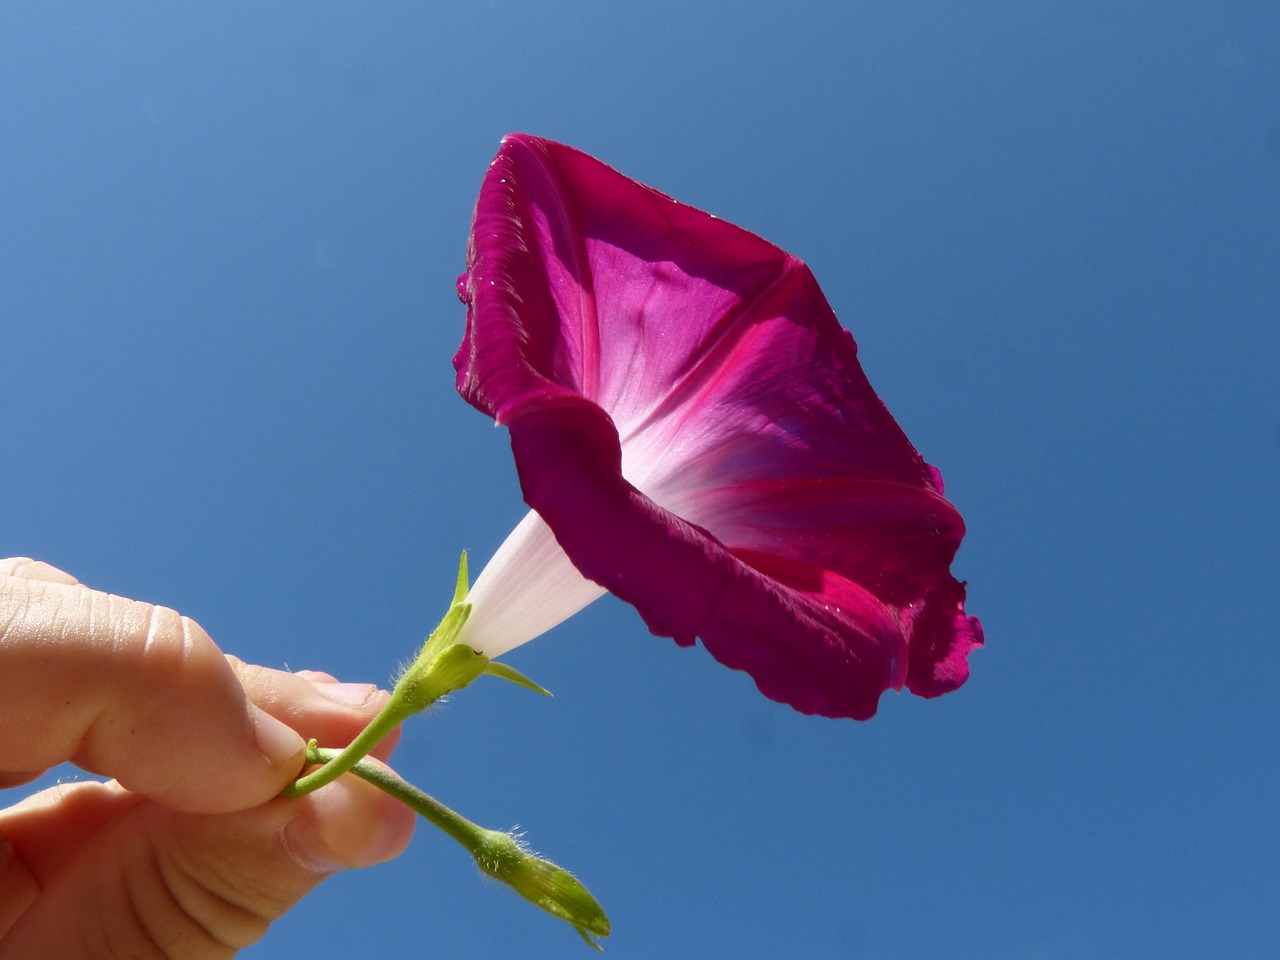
(694, 433)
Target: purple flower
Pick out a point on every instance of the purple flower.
(694, 434)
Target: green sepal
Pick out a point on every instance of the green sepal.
(451, 669)
(442, 665)
(464, 586)
(511, 674)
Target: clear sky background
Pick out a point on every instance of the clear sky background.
(228, 241)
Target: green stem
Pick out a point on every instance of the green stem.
(338, 762)
(425, 805)
(498, 854)
(440, 668)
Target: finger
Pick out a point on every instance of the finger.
(50, 827)
(165, 884)
(62, 819)
(16, 778)
(34, 570)
(42, 833)
(315, 704)
(18, 889)
(133, 691)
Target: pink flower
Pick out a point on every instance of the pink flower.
(694, 434)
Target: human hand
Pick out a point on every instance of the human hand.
(189, 853)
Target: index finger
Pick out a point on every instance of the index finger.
(133, 691)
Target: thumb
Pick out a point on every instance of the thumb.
(152, 882)
(132, 691)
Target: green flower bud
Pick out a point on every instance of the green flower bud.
(541, 882)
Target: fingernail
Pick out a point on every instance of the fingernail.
(278, 742)
(347, 694)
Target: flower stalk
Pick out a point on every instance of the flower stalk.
(499, 855)
(442, 666)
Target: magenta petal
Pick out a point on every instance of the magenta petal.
(830, 649)
(692, 423)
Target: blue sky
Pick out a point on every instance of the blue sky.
(228, 240)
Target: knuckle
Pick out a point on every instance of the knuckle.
(221, 903)
(10, 566)
(169, 649)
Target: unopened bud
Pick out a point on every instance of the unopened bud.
(542, 883)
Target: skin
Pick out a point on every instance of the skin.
(188, 852)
